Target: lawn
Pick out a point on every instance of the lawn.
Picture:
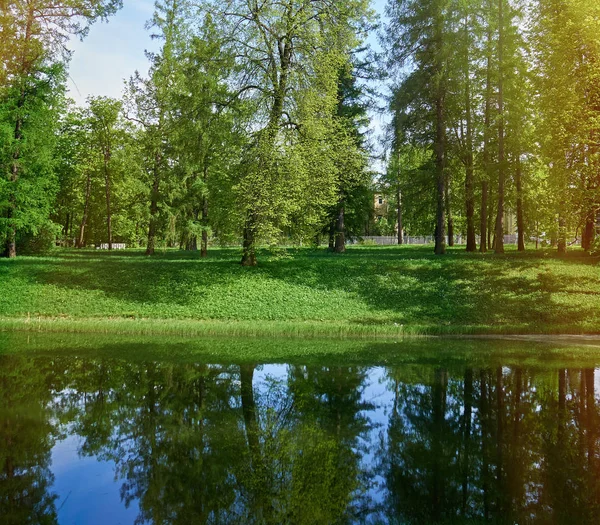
(367, 291)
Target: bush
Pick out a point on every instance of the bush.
(41, 242)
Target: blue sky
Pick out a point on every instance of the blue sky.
(111, 52)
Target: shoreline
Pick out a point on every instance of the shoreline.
(288, 329)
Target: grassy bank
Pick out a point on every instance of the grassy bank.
(566, 352)
(370, 291)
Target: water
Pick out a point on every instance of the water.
(422, 432)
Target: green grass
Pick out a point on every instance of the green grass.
(370, 291)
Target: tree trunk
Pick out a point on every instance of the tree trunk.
(249, 413)
(468, 393)
(470, 205)
(86, 208)
(66, 226)
(490, 220)
(587, 237)
(562, 235)
(469, 175)
(515, 479)
(10, 249)
(440, 138)
(151, 246)
(248, 246)
(264, 508)
(332, 235)
(449, 215)
(438, 410)
(340, 234)
(152, 226)
(562, 404)
(483, 221)
(204, 244)
(591, 423)
(107, 182)
(485, 470)
(501, 496)
(520, 215)
(485, 189)
(440, 243)
(400, 224)
(499, 230)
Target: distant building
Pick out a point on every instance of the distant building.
(381, 206)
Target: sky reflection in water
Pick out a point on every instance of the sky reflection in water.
(107, 440)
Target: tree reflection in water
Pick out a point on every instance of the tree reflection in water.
(200, 443)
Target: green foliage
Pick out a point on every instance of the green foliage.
(32, 78)
(96, 146)
(568, 55)
(250, 124)
(27, 179)
(520, 110)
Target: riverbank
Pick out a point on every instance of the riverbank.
(368, 292)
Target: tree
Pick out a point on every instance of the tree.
(103, 120)
(35, 47)
(463, 104)
(209, 132)
(149, 104)
(28, 115)
(289, 54)
(97, 163)
(351, 169)
(417, 37)
(567, 58)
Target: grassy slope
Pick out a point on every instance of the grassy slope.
(368, 291)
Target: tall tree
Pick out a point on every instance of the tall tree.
(499, 230)
(487, 168)
(567, 57)
(35, 44)
(351, 168)
(104, 118)
(149, 104)
(208, 132)
(418, 38)
(290, 53)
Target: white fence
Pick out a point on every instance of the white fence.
(115, 246)
(393, 240)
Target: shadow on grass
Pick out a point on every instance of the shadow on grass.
(459, 289)
(404, 285)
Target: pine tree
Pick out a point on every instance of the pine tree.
(418, 38)
(31, 64)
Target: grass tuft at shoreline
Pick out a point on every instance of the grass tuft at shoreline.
(369, 292)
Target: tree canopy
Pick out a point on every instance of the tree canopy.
(249, 126)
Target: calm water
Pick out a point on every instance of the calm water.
(503, 437)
